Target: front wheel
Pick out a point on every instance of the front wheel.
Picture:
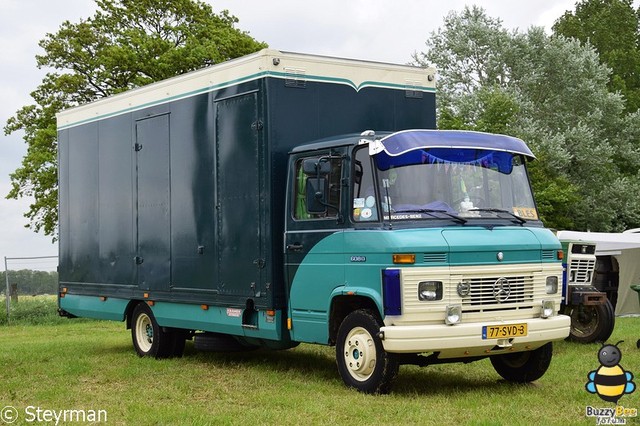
(362, 361)
(523, 367)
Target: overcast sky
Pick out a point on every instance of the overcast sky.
(378, 30)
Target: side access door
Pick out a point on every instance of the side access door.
(240, 210)
(314, 246)
(153, 201)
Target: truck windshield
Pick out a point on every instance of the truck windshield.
(458, 184)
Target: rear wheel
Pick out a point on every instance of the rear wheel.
(591, 323)
(362, 361)
(149, 339)
(523, 367)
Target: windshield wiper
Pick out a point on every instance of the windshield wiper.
(432, 211)
(518, 218)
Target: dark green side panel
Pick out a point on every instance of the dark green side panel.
(193, 254)
(237, 199)
(153, 203)
(79, 261)
(186, 200)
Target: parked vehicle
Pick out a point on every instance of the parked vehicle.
(615, 272)
(248, 205)
(591, 312)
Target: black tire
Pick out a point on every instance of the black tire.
(523, 367)
(362, 361)
(612, 322)
(179, 342)
(149, 339)
(592, 323)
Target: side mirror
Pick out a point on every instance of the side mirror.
(316, 167)
(317, 190)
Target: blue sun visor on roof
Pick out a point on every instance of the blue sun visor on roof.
(449, 146)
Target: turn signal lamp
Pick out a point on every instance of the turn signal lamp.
(560, 255)
(404, 258)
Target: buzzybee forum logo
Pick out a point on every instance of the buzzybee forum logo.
(610, 382)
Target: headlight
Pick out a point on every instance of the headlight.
(552, 285)
(430, 290)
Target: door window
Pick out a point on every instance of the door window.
(308, 183)
(364, 203)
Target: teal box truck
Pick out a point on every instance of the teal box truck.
(282, 198)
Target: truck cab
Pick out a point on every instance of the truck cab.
(420, 247)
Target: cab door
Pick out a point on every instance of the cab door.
(314, 246)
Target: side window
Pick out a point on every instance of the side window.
(329, 184)
(364, 205)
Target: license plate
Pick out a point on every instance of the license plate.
(504, 331)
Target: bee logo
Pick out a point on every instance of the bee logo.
(610, 381)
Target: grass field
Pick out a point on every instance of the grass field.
(65, 364)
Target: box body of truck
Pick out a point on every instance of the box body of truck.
(176, 190)
(244, 200)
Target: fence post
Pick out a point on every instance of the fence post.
(7, 291)
(14, 293)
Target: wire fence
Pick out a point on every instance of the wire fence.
(35, 275)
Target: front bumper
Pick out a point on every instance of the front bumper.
(465, 340)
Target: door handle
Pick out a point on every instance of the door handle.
(294, 247)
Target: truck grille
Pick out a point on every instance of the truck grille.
(582, 270)
(486, 292)
(499, 291)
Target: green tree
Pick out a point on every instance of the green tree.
(552, 92)
(126, 44)
(613, 28)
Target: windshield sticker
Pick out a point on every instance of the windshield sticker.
(526, 213)
(358, 203)
(366, 213)
(370, 201)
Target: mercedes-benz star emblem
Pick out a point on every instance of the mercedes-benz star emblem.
(501, 289)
